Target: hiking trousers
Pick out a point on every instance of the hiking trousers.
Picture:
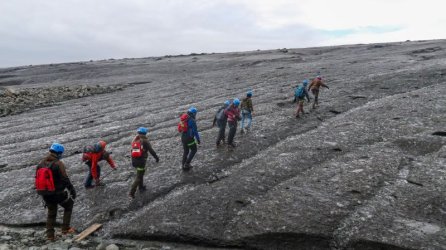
(189, 148)
(51, 202)
(139, 179)
(246, 115)
(221, 131)
(232, 131)
(89, 180)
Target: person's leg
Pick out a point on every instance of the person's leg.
(185, 152)
(51, 220)
(140, 175)
(193, 151)
(221, 132)
(243, 119)
(231, 133)
(89, 179)
(68, 210)
(249, 117)
(135, 182)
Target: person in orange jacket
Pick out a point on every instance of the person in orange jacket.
(91, 157)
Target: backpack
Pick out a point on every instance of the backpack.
(182, 125)
(44, 182)
(244, 104)
(137, 148)
(220, 114)
(300, 92)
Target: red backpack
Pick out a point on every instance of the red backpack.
(44, 179)
(137, 148)
(182, 125)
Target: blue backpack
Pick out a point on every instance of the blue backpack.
(299, 92)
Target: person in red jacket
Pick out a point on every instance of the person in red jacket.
(92, 156)
(233, 115)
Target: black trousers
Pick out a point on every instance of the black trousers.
(51, 202)
(221, 131)
(232, 131)
(189, 148)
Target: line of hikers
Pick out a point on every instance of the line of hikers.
(302, 91)
(53, 184)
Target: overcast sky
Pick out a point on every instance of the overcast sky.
(51, 31)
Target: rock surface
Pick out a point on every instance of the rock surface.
(365, 170)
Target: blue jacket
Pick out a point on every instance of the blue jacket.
(192, 130)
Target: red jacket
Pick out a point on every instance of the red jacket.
(233, 113)
(92, 160)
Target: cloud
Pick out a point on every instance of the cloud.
(48, 31)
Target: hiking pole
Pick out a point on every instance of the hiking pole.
(107, 174)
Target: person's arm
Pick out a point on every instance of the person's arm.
(323, 85)
(307, 95)
(151, 151)
(195, 131)
(311, 85)
(65, 180)
(109, 159)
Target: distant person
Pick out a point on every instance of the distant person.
(93, 154)
(220, 119)
(140, 147)
(189, 137)
(300, 94)
(314, 87)
(247, 111)
(53, 184)
(233, 115)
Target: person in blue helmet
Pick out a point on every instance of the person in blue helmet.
(220, 119)
(140, 149)
(189, 137)
(300, 94)
(63, 193)
(247, 111)
(233, 115)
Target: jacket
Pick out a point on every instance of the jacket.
(247, 104)
(146, 149)
(60, 177)
(316, 84)
(233, 113)
(92, 159)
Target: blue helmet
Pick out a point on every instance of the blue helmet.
(192, 110)
(305, 82)
(227, 103)
(249, 93)
(142, 130)
(236, 102)
(57, 148)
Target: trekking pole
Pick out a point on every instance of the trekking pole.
(107, 174)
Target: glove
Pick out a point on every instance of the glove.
(114, 168)
(198, 141)
(157, 159)
(72, 192)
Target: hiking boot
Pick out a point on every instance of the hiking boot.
(187, 167)
(69, 230)
(89, 187)
(142, 189)
(132, 195)
(242, 131)
(51, 238)
(218, 144)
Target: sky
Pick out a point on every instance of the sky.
(53, 31)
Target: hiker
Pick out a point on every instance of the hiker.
(247, 111)
(53, 184)
(91, 157)
(140, 147)
(220, 119)
(189, 137)
(314, 87)
(300, 94)
(233, 115)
